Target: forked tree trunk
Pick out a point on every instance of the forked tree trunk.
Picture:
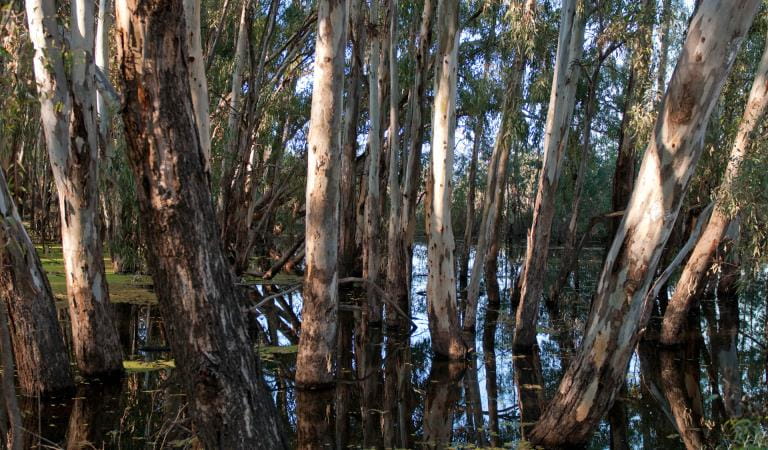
(71, 135)
(441, 279)
(229, 404)
(41, 357)
(559, 114)
(621, 307)
(314, 363)
(693, 280)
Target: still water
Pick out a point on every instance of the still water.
(405, 398)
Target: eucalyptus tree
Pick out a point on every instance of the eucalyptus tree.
(41, 357)
(314, 363)
(229, 404)
(693, 278)
(561, 104)
(441, 278)
(621, 306)
(67, 108)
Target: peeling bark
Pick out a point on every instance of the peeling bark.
(40, 355)
(559, 114)
(69, 122)
(621, 308)
(693, 279)
(441, 280)
(229, 404)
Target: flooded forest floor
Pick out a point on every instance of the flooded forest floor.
(487, 402)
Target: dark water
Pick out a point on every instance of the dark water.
(406, 398)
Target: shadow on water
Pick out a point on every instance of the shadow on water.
(392, 393)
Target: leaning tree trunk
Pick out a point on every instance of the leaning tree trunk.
(314, 364)
(621, 307)
(41, 356)
(693, 280)
(71, 134)
(441, 280)
(561, 103)
(229, 404)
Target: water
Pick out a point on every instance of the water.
(426, 402)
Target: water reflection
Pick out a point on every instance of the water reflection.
(391, 393)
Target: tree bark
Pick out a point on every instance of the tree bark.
(69, 122)
(621, 308)
(693, 279)
(41, 357)
(372, 212)
(314, 364)
(197, 82)
(441, 280)
(561, 104)
(229, 403)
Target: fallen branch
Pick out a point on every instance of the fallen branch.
(277, 266)
(380, 292)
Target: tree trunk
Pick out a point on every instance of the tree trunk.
(372, 212)
(314, 364)
(348, 250)
(71, 135)
(229, 404)
(621, 308)
(41, 357)
(441, 281)
(197, 82)
(693, 279)
(561, 103)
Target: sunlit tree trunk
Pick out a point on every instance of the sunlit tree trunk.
(693, 279)
(69, 123)
(561, 104)
(197, 82)
(41, 358)
(441, 280)
(314, 364)
(620, 308)
(229, 404)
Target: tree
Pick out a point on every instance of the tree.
(693, 279)
(561, 103)
(314, 363)
(67, 108)
(229, 403)
(441, 280)
(621, 306)
(41, 357)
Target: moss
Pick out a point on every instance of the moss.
(148, 366)
(123, 288)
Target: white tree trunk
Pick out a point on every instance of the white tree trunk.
(693, 279)
(315, 361)
(69, 125)
(197, 81)
(621, 307)
(441, 280)
(561, 102)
